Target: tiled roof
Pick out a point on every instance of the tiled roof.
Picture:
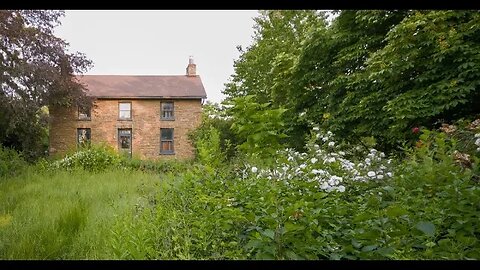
(143, 86)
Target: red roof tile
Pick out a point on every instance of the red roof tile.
(143, 86)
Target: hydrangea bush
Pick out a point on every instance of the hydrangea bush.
(330, 166)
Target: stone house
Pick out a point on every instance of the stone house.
(148, 117)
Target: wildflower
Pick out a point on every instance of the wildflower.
(415, 130)
(477, 142)
(389, 174)
(316, 128)
(341, 188)
(303, 166)
(329, 133)
(341, 153)
(324, 185)
(330, 160)
(313, 160)
(368, 161)
(371, 174)
(382, 154)
(331, 144)
(254, 169)
(316, 146)
(477, 135)
(379, 177)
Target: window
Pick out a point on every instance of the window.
(167, 111)
(125, 110)
(83, 136)
(166, 141)
(125, 141)
(83, 113)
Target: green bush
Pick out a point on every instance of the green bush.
(11, 162)
(93, 158)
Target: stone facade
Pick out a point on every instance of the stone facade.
(145, 124)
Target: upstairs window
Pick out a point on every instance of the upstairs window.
(83, 136)
(83, 113)
(166, 141)
(125, 110)
(167, 109)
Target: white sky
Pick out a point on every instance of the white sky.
(159, 42)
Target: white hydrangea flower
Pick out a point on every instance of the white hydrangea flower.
(331, 144)
(324, 185)
(254, 169)
(371, 174)
(329, 133)
(368, 161)
(313, 160)
(330, 160)
(341, 188)
(382, 154)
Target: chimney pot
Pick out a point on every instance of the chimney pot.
(191, 68)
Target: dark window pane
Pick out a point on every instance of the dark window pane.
(125, 142)
(83, 135)
(83, 113)
(167, 110)
(167, 134)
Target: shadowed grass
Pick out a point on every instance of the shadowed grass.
(68, 215)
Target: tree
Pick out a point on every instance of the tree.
(264, 69)
(35, 71)
(381, 73)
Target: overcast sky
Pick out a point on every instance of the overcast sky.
(160, 42)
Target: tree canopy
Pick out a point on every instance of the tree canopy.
(367, 73)
(35, 71)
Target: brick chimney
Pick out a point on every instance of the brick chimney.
(191, 68)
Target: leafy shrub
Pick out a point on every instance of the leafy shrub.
(214, 116)
(94, 158)
(155, 166)
(11, 162)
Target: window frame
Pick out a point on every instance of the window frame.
(167, 152)
(131, 114)
(172, 118)
(88, 116)
(88, 134)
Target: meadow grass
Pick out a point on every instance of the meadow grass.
(69, 215)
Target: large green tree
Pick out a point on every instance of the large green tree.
(367, 73)
(407, 68)
(35, 71)
(264, 70)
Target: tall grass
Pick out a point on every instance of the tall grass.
(68, 215)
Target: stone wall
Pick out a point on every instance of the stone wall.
(145, 125)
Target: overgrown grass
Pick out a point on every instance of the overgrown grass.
(68, 215)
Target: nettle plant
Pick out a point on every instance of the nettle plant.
(327, 164)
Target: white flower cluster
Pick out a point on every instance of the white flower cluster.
(324, 165)
(477, 141)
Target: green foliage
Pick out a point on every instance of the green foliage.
(11, 162)
(68, 215)
(37, 71)
(217, 124)
(93, 158)
(258, 125)
(370, 73)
